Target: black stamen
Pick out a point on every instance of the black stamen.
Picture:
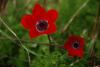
(42, 25)
(76, 45)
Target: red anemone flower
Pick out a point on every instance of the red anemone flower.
(40, 22)
(75, 46)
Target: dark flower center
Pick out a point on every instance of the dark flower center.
(42, 25)
(76, 45)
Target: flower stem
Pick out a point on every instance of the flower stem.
(52, 47)
(49, 38)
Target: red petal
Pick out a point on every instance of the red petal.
(52, 29)
(33, 32)
(76, 53)
(52, 14)
(38, 10)
(77, 38)
(27, 21)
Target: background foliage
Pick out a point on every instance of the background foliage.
(35, 53)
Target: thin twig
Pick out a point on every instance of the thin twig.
(17, 37)
(97, 66)
(24, 47)
(96, 27)
(96, 30)
(72, 64)
(84, 32)
(29, 59)
(25, 41)
(73, 16)
(22, 40)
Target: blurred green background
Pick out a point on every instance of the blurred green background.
(17, 50)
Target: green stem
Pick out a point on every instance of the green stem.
(49, 38)
(52, 47)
